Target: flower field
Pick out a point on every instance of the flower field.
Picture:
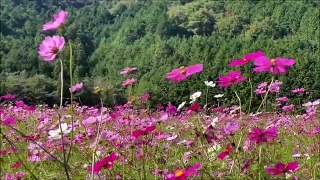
(193, 140)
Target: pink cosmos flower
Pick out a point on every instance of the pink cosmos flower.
(129, 82)
(275, 66)
(298, 90)
(76, 87)
(246, 58)
(105, 163)
(90, 120)
(282, 99)
(281, 168)
(183, 73)
(231, 127)
(144, 97)
(50, 47)
(58, 20)
(234, 77)
(183, 174)
(259, 135)
(225, 153)
(288, 108)
(275, 86)
(128, 70)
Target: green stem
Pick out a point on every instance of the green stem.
(61, 85)
(71, 101)
(65, 162)
(207, 91)
(97, 140)
(260, 150)
(239, 102)
(266, 95)
(251, 95)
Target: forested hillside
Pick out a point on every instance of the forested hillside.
(156, 36)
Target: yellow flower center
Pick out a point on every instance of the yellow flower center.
(272, 60)
(183, 70)
(179, 173)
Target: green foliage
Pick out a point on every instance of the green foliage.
(157, 36)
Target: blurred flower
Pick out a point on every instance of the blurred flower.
(58, 20)
(143, 131)
(16, 165)
(281, 168)
(282, 99)
(274, 66)
(90, 120)
(259, 135)
(275, 87)
(181, 105)
(183, 73)
(158, 172)
(298, 90)
(231, 127)
(105, 163)
(9, 121)
(210, 83)
(50, 47)
(129, 82)
(233, 78)
(144, 97)
(183, 174)
(288, 108)
(76, 87)
(194, 96)
(194, 107)
(7, 97)
(218, 96)
(225, 153)
(128, 70)
(171, 109)
(56, 134)
(246, 58)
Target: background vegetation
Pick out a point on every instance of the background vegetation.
(157, 36)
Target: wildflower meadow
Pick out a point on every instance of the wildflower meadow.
(204, 136)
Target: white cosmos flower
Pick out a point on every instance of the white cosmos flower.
(56, 134)
(194, 96)
(214, 121)
(210, 83)
(181, 105)
(219, 95)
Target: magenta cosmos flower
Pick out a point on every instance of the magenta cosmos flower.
(275, 66)
(50, 47)
(246, 58)
(58, 20)
(183, 73)
(281, 168)
(183, 174)
(225, 153)
(76, 87)
(104, 163)
(128, 70)
(143, 131)
(259, 135)
(234, 77)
